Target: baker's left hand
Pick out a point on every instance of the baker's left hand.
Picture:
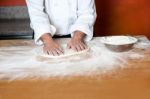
(77, 42)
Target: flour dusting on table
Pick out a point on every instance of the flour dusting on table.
(21, 62)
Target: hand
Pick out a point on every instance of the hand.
(50, 46)
(77, 42)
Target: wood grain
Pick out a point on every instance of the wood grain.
(132, 82)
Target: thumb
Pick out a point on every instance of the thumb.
(68, 46)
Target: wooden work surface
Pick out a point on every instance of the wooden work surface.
(128, 83)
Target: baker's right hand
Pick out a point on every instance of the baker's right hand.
(50, 46)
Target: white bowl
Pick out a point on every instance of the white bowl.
(119, 43)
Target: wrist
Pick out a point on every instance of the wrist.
(46, 38)
(79, 35)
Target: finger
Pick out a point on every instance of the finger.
(49, 52)
(55, 53)
(85, 46)
(44, 51)
(60, 49)
(78, 48)
(74, 48)
(82, 47)
(59, 52)
(68, 46)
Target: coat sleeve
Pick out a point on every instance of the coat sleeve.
(40, 22)
(86, 14)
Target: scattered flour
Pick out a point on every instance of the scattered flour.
(25, 62)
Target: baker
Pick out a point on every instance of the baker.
(62, 17)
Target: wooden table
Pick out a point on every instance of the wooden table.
(128, 83)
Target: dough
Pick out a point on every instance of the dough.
(67, 52)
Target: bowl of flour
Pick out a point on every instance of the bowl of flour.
(119, 43)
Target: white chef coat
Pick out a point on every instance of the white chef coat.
(61, 17)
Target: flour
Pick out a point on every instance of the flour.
(119, 40)
(24, 62)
